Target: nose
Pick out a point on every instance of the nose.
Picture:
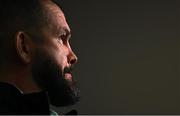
(72, 58)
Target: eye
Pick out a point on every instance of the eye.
(62, 38)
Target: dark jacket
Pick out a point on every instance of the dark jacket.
(12, 101)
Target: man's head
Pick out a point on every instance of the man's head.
(35, 36)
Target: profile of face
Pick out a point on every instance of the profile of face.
(53, 61)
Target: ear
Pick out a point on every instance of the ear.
(23, 46)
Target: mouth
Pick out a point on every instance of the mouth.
(68, 76)
(68, 73)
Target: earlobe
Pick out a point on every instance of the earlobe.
(23, 47)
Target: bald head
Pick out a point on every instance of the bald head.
(29, 16)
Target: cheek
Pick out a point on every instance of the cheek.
(58, 52)
(60, 57)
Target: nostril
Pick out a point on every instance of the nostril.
(72, 58)
(73, 61)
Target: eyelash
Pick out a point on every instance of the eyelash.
(62, 38)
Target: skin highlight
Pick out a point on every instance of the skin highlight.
(54, 51)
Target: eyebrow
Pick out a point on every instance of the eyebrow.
(66, 30)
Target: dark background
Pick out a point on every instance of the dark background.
(128, 55)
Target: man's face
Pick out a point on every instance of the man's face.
(53, 61)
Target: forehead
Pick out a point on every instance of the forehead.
(61, 22)
(55, 18)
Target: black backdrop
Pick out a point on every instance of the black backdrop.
(128, 55)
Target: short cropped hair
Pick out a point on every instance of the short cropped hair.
(20, 15)
(24, 15)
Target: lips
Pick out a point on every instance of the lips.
(68, 73)
(68, 76)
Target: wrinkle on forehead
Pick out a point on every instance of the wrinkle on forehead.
(51, 6)
(54, 16)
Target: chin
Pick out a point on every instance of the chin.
(63, 94)
(48, 77)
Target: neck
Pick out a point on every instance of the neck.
(20, 78)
